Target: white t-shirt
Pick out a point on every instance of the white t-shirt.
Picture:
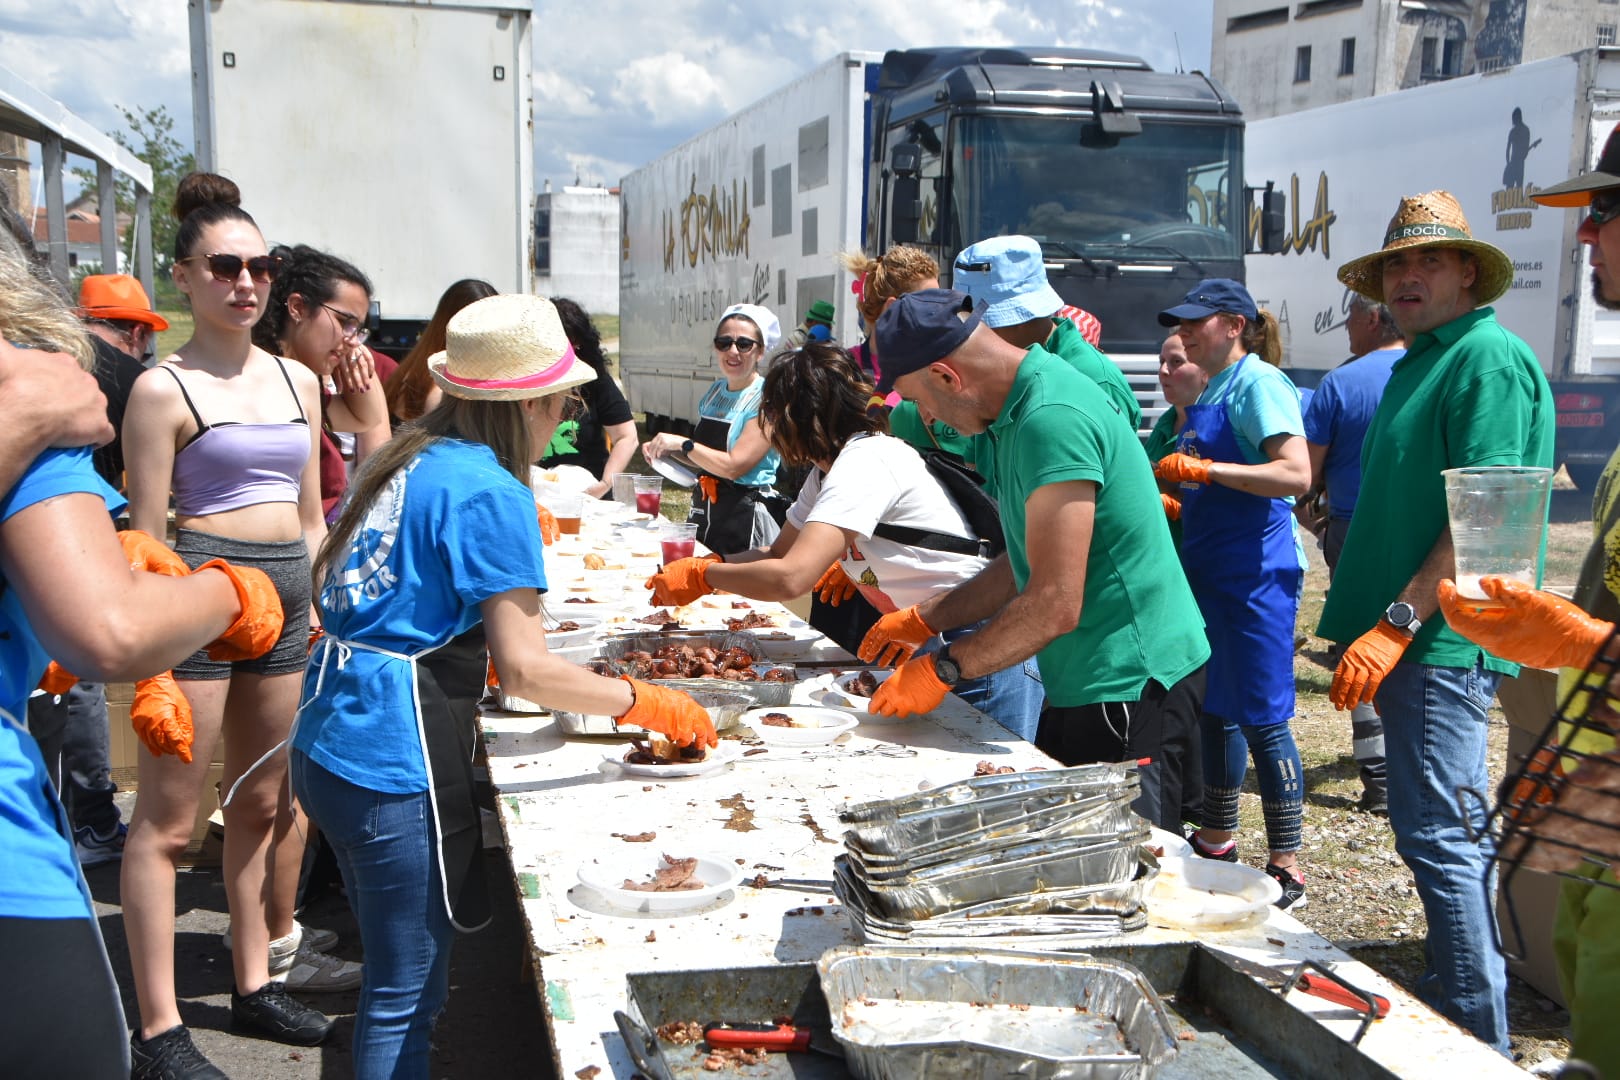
(878, 479)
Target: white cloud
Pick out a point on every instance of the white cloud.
(667, 87)
(558, 95)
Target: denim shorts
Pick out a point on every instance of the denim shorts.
(286, 563)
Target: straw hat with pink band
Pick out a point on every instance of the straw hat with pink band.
(507, 348)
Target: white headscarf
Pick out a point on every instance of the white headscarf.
(770, 328)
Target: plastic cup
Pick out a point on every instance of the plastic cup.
(624, 488)
(649, 494)
(567, 508)
(678, 539)
(1498, 524)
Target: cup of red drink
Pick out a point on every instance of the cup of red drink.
(678, 539)
(649, 494)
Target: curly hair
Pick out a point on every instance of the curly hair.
(889, 276)
(582, 333)
(407, 388)
(305, 272)
(32, 311)
(814, 401)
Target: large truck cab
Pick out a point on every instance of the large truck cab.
(1130, 179)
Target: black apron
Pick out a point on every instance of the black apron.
(739, 518)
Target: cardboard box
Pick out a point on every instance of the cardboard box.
(1529, 701)
(123, 753)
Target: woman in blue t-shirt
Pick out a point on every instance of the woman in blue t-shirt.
(67, 590)
(437, 554)
(1240, 460)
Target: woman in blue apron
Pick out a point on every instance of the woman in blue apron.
(438, 551)
(1240, 460)
(734, 505)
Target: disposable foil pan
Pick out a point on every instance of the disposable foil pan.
(725, 709)
(1090, 779)
(944, 1014)
(1110, 898)
(1092, 817)
(759, 692)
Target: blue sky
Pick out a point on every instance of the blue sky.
(617, 82)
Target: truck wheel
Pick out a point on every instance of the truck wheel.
(1584, 476)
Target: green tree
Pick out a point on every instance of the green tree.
(149, 135)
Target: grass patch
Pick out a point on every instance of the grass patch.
(178, 333)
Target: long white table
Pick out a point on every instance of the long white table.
(777, 812)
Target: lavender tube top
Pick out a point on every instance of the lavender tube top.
(230, 466)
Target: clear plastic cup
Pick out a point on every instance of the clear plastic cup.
(649, 494)
(678, 540)
(567, 508)
(1498, 523)
(624, 488)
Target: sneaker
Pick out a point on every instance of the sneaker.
(268, 1011)
(307, 937)
(316, 973)
(94, 849)
(170, 1055)
(1228, 853)
(1293, 888)
(1373, 801)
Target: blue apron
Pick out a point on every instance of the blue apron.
(1238, 551)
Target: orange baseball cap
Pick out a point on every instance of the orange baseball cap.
(117, 296)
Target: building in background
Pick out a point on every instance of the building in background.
(83, 235)
(576, 246)
(1277, 58)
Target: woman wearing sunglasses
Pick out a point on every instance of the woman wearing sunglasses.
(231, 433)
(735, 505)
(317, 316)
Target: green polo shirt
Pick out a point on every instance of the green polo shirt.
(1466, 394)
(1138, 619)
(1067, 342)
(907, 424)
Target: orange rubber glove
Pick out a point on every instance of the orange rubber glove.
(1366, 662)
(912, 689)
(57, 679)
(669, 712)
(834, 587)
(1183, 469)
(710, 487)
(257, 628)
(895, 637)
(492, 680)
(162, 716)
(145, 553)
(1172, 506)
(1525, 625)
(682, 581)
(549, 529)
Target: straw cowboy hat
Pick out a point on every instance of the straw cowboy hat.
(117, 297)
(507, 348)
(1432, 219)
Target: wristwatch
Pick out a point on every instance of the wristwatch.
(947, 670)
(1401, 616)
(686, 447)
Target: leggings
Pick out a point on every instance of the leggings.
(1227, 747)
(63, 1015)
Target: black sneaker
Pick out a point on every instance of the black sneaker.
(1229, 855)
(268, 1011)
(1293, 888)
(169, 1055)
(1373, 801)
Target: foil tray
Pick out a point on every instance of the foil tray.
(941, 1014)
(725, 709)
(759, 692)
(1054, 825)
(986, 791)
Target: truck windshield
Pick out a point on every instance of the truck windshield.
(1162, 194)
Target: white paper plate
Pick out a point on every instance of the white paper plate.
(838, 696)
(728, 751)
(589, 627)
(813, 726)
(606, 875)
(674, 469)
(1206, 894)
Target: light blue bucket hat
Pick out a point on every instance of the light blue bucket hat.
(1008, 274)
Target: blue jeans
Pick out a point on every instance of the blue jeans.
(384, 847)
(1227, 747)
(1012, 697)
(1434, 743)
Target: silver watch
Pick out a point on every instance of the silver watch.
(1401, 616)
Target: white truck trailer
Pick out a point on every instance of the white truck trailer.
(1129, 178)
(1491, 140)
(395, 133)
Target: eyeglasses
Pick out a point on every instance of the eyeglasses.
(573, 407)
(351, 327)
(744, 344)
(228, 268)
(1605, 207)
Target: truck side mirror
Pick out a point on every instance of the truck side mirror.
(905, 215)
(1267, 227)
(905, 159)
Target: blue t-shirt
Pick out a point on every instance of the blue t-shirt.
(41, 876)
(450, 530)
(737, 407)
(1337, 418)
(1262, 402)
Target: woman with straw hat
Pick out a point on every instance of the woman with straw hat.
(437, 552)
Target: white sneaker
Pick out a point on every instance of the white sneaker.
(312, 938)
(311, 972)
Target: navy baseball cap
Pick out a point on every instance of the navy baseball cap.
(920, 328)
(1212, 295)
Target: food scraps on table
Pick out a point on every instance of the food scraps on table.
(752, 621)
(681, 1032)
(593, 561)
(664, 752)
(672, 875)
(636, 838)
(989, 768)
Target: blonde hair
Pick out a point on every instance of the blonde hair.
(32, 311)
(889, 276)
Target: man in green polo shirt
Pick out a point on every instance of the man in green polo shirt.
(1090, 584)
(1467, 393)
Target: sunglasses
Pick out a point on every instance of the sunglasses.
(1605, 207)
(744, 344)
(228, 268)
